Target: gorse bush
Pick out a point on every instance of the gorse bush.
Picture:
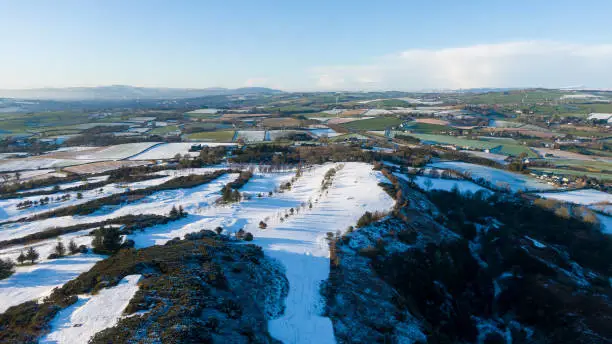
(369, 218)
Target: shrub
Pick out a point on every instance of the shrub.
(248, 236)
(6, 268)
(240, 234)
(263, 225)
(369, 218)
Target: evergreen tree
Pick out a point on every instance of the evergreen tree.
(181, 211)
(32, 255)
(98, 236)
(72, 247)
(60, 249)
(174, 212)
(22, 258)
(107, 240)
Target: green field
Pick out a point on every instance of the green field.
(213, 136)
(164, 130)
(202, 115)
(428, 128)
(559, 171)
(593, 166)
(502, 147)
(378, 123)
(498, 140)
(512, 97)
(515, 150)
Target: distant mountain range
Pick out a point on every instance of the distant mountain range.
(121, 92)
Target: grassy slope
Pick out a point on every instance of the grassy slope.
(213, 136)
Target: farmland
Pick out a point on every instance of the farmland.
(492, 145)
(380, 123)
(212, 136)
(317, 190)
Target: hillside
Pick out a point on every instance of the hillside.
(453, 268)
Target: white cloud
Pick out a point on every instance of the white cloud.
(513, 64)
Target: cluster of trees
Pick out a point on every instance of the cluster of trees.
(230, 191)
(207, 156)
(45, 200)
(32, 145)
(31, 255)
(243, 235)
(107, 139)
(287, 186)
(229, 195)
(278, 155)
(327, 179)
(177, 213)
(107, 240)
(60, 249)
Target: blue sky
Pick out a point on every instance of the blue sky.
(305, 45)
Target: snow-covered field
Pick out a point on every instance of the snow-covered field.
(158, 203)
(494, 157)
(324, 132)
(92, 313)
(39, 280)
(64, 158)
(497, 177)
(585, 196)
(10, 212)
(445, 184)
(33, 175)
(34, 163)
(377, 112)
(116, 152)
(104, 166)
(251, 135)
(169, 150)
(297, 241)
